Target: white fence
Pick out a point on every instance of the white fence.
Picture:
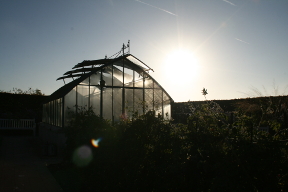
(18, 124)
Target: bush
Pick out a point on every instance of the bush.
(148, 153)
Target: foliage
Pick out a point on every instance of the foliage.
(84, 126)
(21, 104)
(266, 112)
(209, 153)
(204, 92)
(30, 91)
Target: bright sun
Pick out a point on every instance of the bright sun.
(181, 67)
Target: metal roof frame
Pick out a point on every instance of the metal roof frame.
(102, 63)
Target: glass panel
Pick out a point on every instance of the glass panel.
(128, 77)
(157, 99)
(138, 80)
(148, 100)
(167, 106)
(82, 96)
(54, 112)
(85, 82)
(117, 96)
(95, 99)
(108, 69)
(95, 79)
(118, 76)
(59, 112)
(69, 105)
(167, 111)
(148, 82)
(138, 101)
(107, 103)
(129, 102)
(107, 77)
(166, 99)
(51, 113)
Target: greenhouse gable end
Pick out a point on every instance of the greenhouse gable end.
(111, 87)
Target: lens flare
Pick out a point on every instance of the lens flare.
(82, 156)
(95, 142)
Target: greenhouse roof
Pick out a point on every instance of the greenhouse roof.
(87, 66)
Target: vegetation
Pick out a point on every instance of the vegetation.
(30, 91)
(19, 104)
(214, 151)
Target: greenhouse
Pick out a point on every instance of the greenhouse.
(113, 88)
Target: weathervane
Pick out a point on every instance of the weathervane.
(127, 46)
(122, 50)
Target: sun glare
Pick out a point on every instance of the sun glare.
(181, 66)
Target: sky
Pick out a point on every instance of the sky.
(232, 48)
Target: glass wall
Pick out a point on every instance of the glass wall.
(82, 95)
(52, 112)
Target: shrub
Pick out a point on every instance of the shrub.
(148, 153)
